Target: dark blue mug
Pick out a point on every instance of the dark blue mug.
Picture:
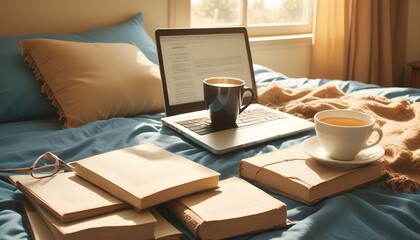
(223, 97)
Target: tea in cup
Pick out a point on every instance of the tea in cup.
(223, 98)
(344, 133)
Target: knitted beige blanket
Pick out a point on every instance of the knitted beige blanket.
(399, 120)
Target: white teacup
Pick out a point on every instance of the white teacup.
(344, 133)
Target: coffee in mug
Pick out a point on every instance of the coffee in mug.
(223, 98)
(344, 133)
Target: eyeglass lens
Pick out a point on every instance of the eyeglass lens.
(45, 166)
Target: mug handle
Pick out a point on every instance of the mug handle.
(250, 100)
(379, 131)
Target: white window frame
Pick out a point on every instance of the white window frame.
(179, 15)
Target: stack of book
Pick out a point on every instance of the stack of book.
(112, 195)
(72, 208)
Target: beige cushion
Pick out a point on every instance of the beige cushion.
(92, 81)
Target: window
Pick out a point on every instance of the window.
(261, 17)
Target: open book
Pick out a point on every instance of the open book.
(292, 173)
(146, 175)
(67, 196)
(236, 208)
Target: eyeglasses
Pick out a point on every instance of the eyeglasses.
(44, 166)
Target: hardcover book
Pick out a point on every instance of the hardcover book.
(119, 225)
(39, 230)
(293, 173)
(236, 208)
(146, 175)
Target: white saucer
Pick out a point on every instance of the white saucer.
(313, 148)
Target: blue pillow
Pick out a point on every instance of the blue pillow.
(20, 93)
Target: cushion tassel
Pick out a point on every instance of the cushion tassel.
(38, 76)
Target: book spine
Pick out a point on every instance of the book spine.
(245, 170)
(185, 215)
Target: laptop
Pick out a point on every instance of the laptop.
(188, 56)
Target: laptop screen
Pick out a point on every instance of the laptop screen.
(188, 56)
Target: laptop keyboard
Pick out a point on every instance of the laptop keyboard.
(202, 125)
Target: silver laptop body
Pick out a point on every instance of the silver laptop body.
(186, 58)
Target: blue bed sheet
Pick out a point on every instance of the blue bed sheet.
(371, 212)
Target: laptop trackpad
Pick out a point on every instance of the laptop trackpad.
(236, 137)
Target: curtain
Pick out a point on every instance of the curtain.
(362, 40)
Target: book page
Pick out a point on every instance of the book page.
(39, 229)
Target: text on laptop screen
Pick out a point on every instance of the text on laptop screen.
(189, 59)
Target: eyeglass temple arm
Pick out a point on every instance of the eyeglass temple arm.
(69, 165)
(52, 156)
(16, 170)
(28, 169)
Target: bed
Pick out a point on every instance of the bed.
(370, 212)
